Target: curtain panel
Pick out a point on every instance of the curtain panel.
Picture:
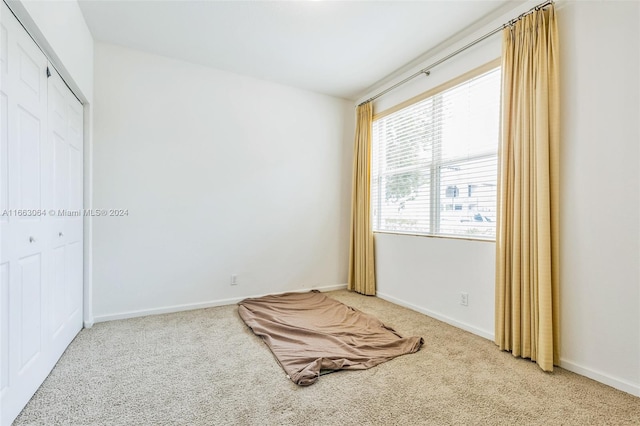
(362, 277)
(527, 240)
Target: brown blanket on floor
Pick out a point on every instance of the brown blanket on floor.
(310, 332)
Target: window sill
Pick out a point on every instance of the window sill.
(448, 237)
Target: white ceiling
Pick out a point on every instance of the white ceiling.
(339, 48)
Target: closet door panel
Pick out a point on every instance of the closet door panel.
(28, 144)
(65, 227)
(30, 307)
(75, 283)
(24, 257)
(4, 327)
(4, 160)
(58, 291)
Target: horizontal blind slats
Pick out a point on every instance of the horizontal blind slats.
(434, 163)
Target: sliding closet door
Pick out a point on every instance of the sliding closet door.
(40, 253)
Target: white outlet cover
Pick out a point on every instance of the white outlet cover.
(464, 299)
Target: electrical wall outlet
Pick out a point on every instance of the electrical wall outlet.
(234, 279)
(464, 299)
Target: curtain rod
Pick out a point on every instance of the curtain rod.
(427, 70)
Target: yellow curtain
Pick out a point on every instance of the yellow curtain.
(527, 240)
(362, 278)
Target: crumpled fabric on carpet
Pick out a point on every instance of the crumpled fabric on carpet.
(310, 333)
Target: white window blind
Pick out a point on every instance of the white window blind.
(434, 163)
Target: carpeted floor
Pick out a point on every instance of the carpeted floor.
(205, 367)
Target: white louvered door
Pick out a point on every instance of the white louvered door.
(40, 253)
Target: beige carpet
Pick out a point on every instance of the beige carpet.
(205, 367)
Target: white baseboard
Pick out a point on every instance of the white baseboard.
(620, 384)
(623, 385)
(467, 327)
(199, 305)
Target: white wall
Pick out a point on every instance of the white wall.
(428, 274)
(600, 281)
(600, 252)
(221, 174)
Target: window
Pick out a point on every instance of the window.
(434, 162)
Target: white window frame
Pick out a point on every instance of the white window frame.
(436, 165)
